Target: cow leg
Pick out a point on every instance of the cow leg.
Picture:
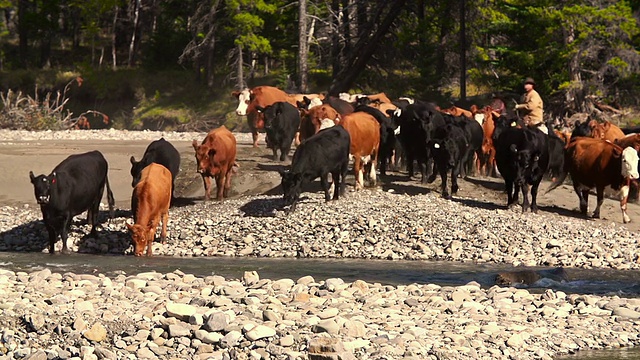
(163, 233)
(325, 186)
(284, 151)
(600, 200)
(275, 154)
(92, 218)
(254, 135)
(410, 165)
(372, 172)
(220, 185)
(534, 197)
(227, 182)
(342, 182)
(358, 172)
(443, 179)
(509, 187)
(624, 197)
(583, 196)
(429, 171)
(454, 181)
(53, 236)
(525, 198)
(64, 233)
(207, 186)
(297, 138)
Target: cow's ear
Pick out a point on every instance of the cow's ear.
(195, 144)
(617, 151)
(606, 125)
(236, 94)
(133, 160)
(593, 124)
(129, 226)
(31, 176)
(301, 105)
(513, 148)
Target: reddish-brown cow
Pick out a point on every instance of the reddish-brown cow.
(364, 131)
(486, 162)
(599, 163)
(263, 96)
(605, 131)
(149, 204)
(216, 157)
(456, 111)
(317, 118)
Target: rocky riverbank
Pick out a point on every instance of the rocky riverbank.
(47, 315)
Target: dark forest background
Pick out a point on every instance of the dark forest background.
(172, 64)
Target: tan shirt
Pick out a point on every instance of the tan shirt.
(532, 108)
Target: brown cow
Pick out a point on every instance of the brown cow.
(457, 111)
(486, 162)
(599, 163)
(565, 135)
(632, 140)
(605, 131)
(317, 118)
(263, 96)
(149, 204)
(364, 131)
(216, 157)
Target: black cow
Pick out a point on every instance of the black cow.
(417, 123)
(326, 152)
(75, 185)
(631, 130)
(474, 134)
(522, 157)
(449, 148)
(556, 155)
(387, 135)
(581, 129)
(281, 121)
(160, 152)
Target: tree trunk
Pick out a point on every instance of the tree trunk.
(23, 32)
(134, 36)
(361, 15)
(114, 57)
(335, 37)
(240, 70)
(346, 28)
(364, 48)
(463, 51)
(302, 45)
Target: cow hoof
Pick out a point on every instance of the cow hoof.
(446, 196)
(65, 251)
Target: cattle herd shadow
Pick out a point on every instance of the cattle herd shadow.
(474, 203)
(262, 207)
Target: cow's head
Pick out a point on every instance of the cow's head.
(630, 163)
(526, 163)
(445, 150)
(598, 131)
(292, 187)
(136, 171)
(271, 114)
(139, 237)
(42, 186)
(244, 98)
(204, 154)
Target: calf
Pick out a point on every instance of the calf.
(216, 157)
(522, 157)
(326, 152)
(473, 134)
(599, 163)
(317, 118)
(605, 131)
(281, 121)
(149, 204)
(159, 152)
(74, 186)
(449, 148)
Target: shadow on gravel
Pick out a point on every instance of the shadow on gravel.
(262, 207)
(401, 189)
(489, 183)
(272, 167)
(479, 204)
(184, 201)
(562, 211)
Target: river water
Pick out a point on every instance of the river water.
(583, 281)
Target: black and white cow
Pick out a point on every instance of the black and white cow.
(449, 148)
(326, 152)
(160, 152)
(281, 121)
(74, 186)
(522, 157)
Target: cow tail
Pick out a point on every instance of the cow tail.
(560, 179)
(110, 199)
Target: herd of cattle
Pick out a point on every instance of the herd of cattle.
(373, 131)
